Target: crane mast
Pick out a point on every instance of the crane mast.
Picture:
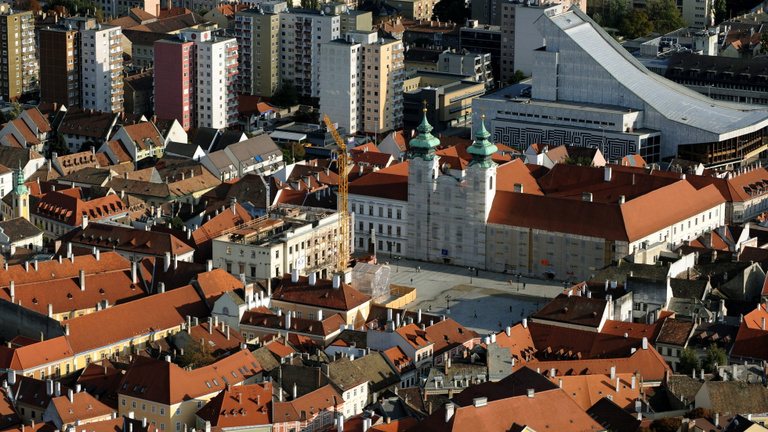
(342, 258)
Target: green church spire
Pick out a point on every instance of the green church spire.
(482, 149)
(20, 188)
(424, 144)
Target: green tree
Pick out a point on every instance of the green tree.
(197, 354)
(175, 223)
(635, 25)
(286, 156)
(517, 77)
(664, 15)
(310, 4)
(700, 412)
(617, 13)
(286, 95)
(716, 356)
(14, 112)
(59, 146)
(583, 161)
(666, 425)
(455, 11)
(688, 361)
(721, 10)
(296, 149)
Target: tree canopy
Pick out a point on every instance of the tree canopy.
(88, 8)
(455, 11)
(286, 95)
(664, 15)
(716, 356)
(636, 24)
(688, 362)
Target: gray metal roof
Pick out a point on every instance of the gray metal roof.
(673, 101)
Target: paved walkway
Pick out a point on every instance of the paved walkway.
(484, 303)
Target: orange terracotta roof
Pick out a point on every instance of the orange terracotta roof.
(324, 398)
(414, 336)
(648, 362)
(52, 270)
(130, 239)
(120, 152)
(448, 334)
(39, 119)
(143, 316)
(213, 284)
(399, 358)
(586, 390)
(516, 172)
(29, 137)
(519, 342)
(268, 320)
(217, 338)
(83, 407)
(63, 207)
(145, 135)
(165, 382)
(322, 294)
(390, 182)
(498, 415)
(220, 223)
(38, 354)
(280, 349)
(240, 406)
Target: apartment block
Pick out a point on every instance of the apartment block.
(384, 77)
(343, 102)
(195, 79)
(60, 65)
(21, 69)
(101, 68)
(302, 33)
(258, 38)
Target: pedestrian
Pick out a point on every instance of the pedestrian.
(510, 308)
(411, 281)
(475, 314)
(477, 272)
(429, 308)
(523, 285)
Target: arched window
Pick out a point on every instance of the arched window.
(225, 311)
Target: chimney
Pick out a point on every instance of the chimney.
(586, 196)
(288, 321)
(160, 287)
(418, 315)
(49, 387)
(34, 261)
(336, 281)
(607, 174)
(525, 323)
(294, 275)
(633, 382)
(762, 323)
(167, 261)
(622, 199)
(232, 205)
(531, 393)
(508, 331)
(57, 389)
(12, 289)
(82, 280)
(11, 377)
(176, 261)
(312, 279)
(319, 314)
(518, 188)
(209, 265)
(613, 372)
(295, 393)
(645, 343)
(71, 396)
(66, 329)
(50, 310)
(84, 222)
(133, 272)
(227, 331)
(69, 250)
(449, 409)
(96, 253)
(618, 382)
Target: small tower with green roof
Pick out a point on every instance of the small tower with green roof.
(20, 195)
(481, 173)
(482, 150)
(423, 171)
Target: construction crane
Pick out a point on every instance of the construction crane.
(342, 258)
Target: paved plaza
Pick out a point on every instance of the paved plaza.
(487, 302)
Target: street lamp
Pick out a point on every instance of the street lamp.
(471, 271)
(448, 303)
(397, 261)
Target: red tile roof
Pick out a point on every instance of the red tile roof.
(324, 398)
(38, 354)
(648, 362)
(52, 270)
(448, 334)
(83, 407)
(586, 390)
(516, 172)
(574, 309)
(166, 383)
(266, 319)
(68, 208)
(390, 182)
(414, 335)
(240, 406)
(130, 239)
(140, 317)
(322, 294)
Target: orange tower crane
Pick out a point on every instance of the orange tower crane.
(342, 258)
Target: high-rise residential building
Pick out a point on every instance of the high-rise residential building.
(302, 32)
(195, 79)
(367, 75)
(21, 69)
(258, 38)
(342, 102)
(384, 78)
(101, 66)
(60, 65)
(82, 64)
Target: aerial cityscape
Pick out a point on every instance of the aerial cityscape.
(383, 216)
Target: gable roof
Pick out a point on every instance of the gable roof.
(130, 239)
(322, 294)
(166, 383)
(18, 229)
(240, 406)
(390, 182)
(82, 407)
(448, 334)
